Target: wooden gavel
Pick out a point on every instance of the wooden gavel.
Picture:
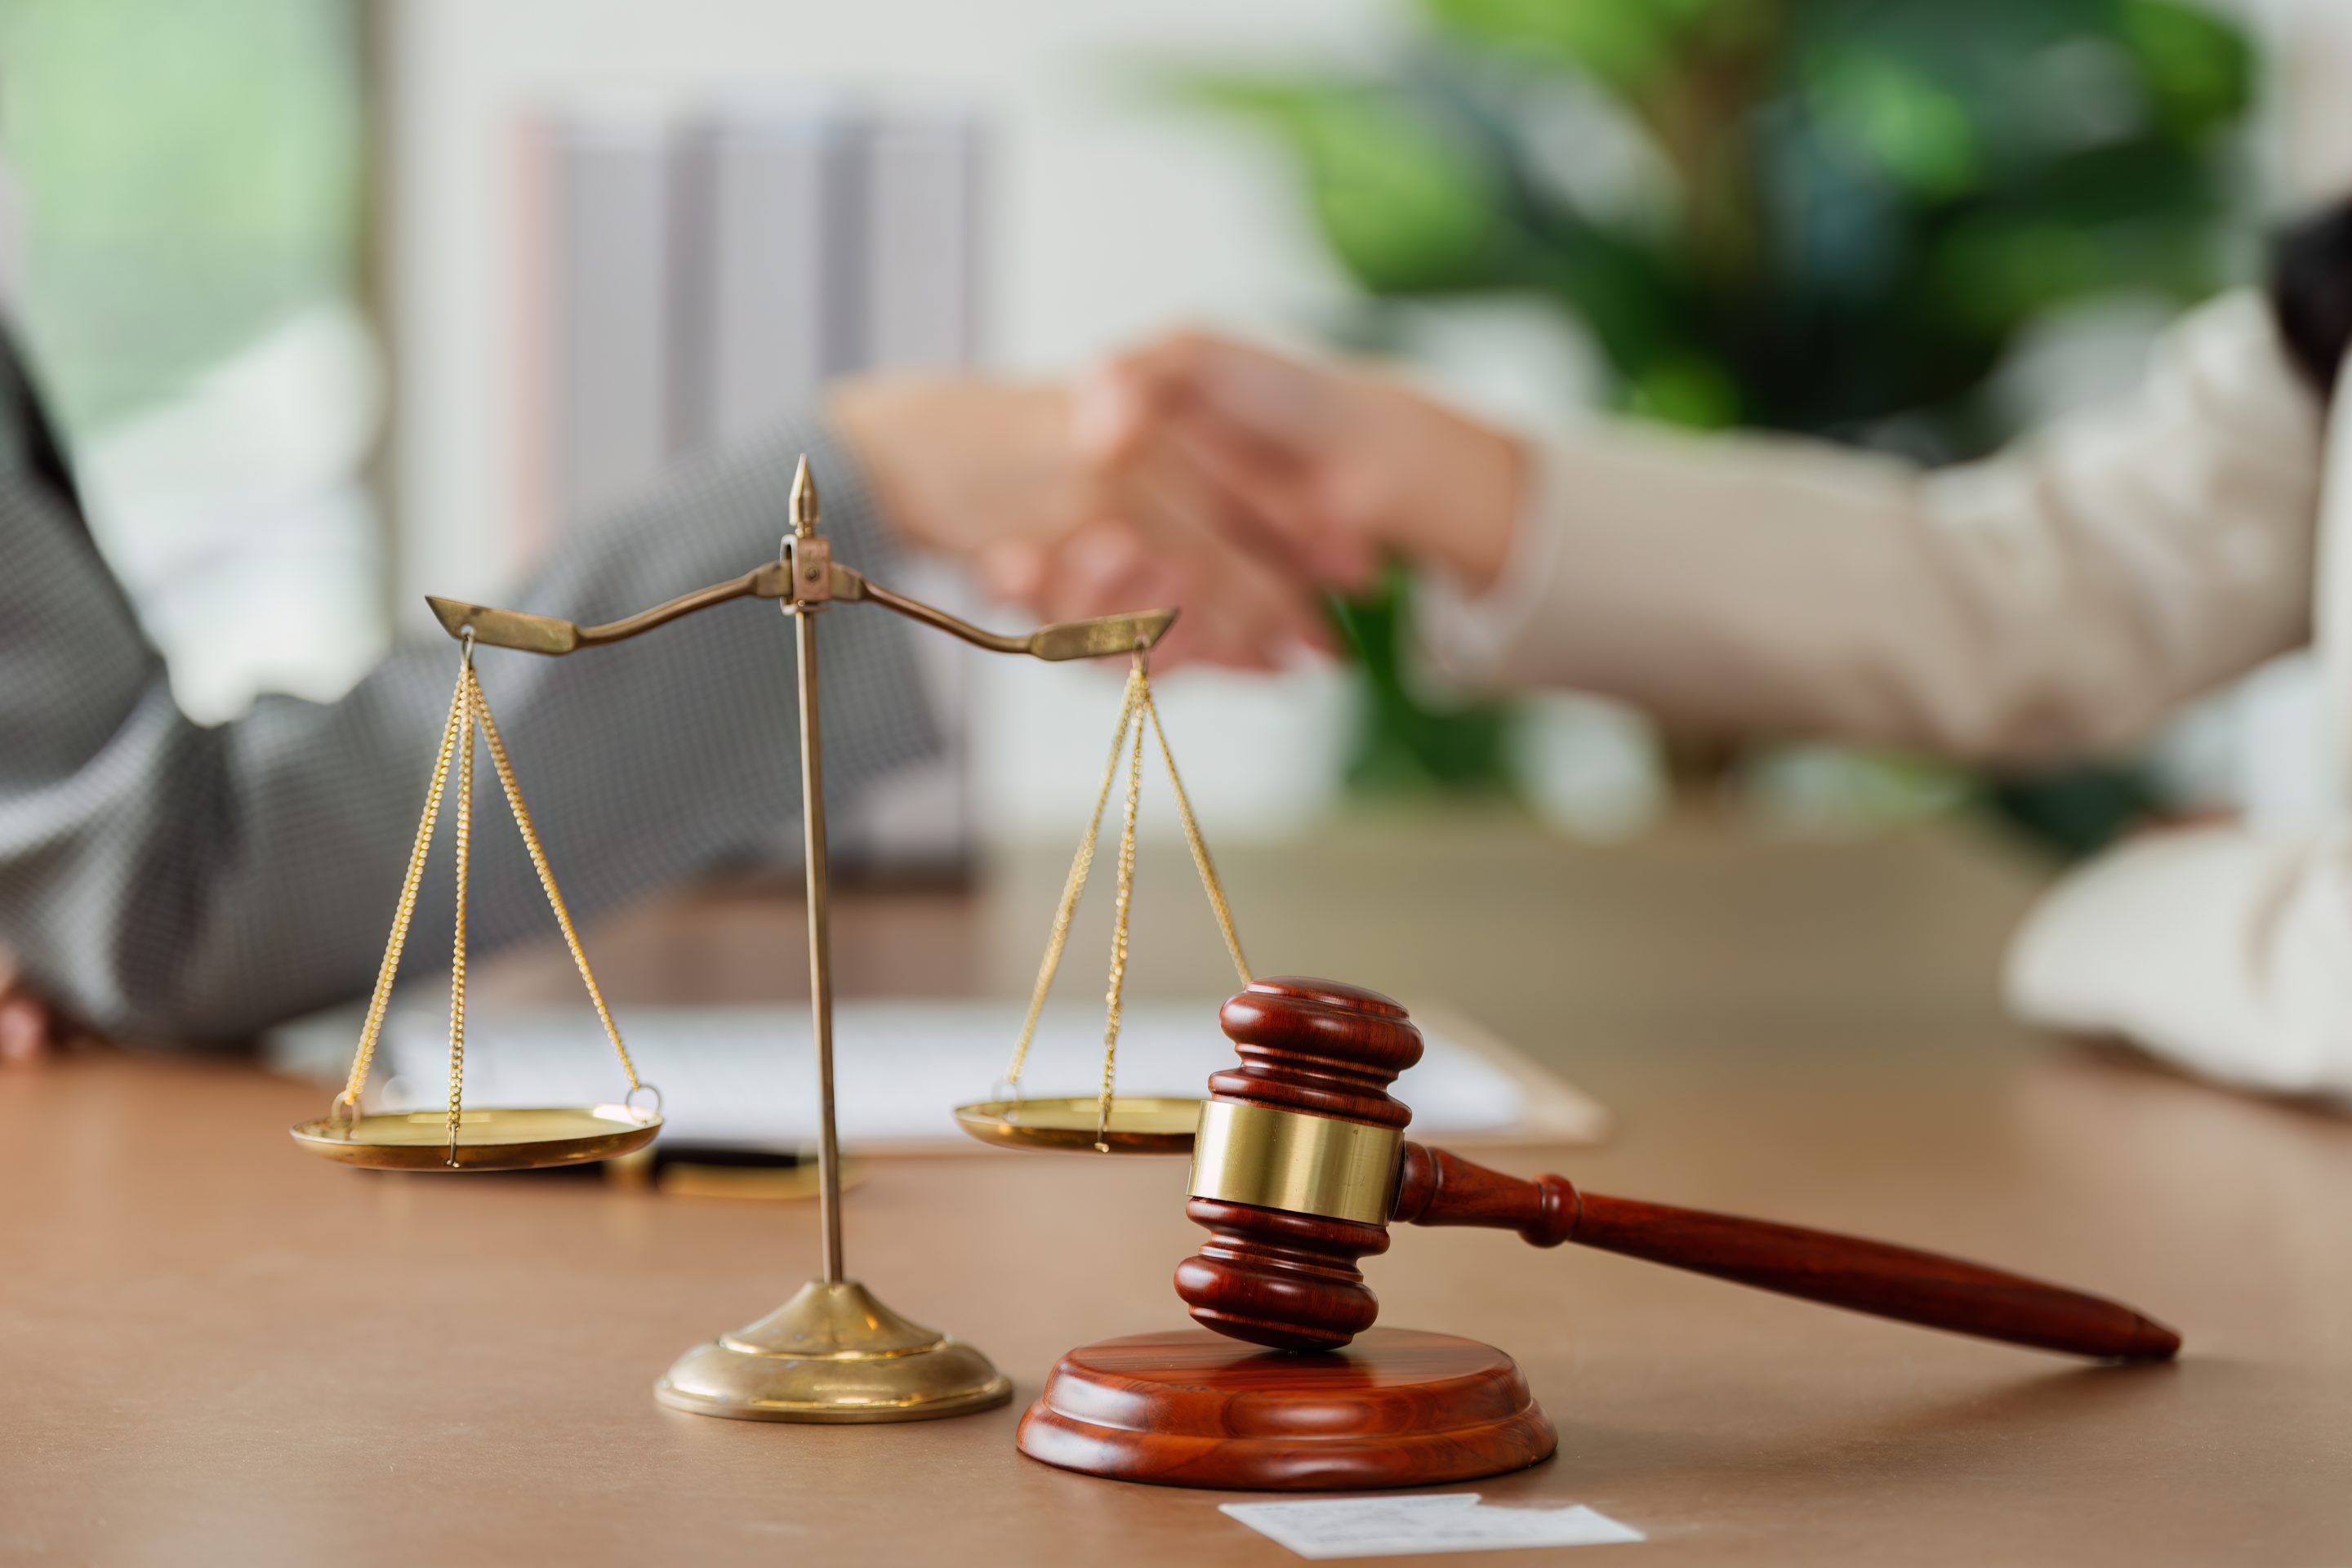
(1301, 1163)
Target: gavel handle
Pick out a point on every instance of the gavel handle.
(1442, 1188)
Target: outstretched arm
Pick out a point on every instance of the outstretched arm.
(164, 879)
(2058, 598)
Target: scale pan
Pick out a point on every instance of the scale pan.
(495, 1140)
(1140, 1123)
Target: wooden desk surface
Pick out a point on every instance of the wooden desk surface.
(213, 1349)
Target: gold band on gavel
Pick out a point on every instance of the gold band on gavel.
(1298, 1163)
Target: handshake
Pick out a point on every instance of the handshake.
(1196, 471)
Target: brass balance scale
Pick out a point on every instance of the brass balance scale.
(833, 1353)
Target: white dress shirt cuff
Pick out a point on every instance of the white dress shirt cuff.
(1470, 638)
(2219, 949)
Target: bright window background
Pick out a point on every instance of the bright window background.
(190, 179)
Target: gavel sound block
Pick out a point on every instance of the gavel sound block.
(1298, 1168)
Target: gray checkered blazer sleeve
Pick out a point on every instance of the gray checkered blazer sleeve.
(163, 880)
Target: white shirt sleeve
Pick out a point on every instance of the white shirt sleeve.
(2056, 599)
(1471, 634)
(2226, 953)
(2228, 950)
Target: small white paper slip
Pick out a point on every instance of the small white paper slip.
(1410, 1526)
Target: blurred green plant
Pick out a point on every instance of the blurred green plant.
(1832, 218)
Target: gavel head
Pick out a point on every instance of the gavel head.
(1296, 1164)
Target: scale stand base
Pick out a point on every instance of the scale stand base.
(833, 1354)
(1190, 1408)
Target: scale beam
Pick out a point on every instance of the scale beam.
(1055, 642)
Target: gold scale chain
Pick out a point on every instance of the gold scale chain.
(468, 708)
(464, 834)
(1136, 710)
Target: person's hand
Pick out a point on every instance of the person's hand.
(962, 463)
(29, 1030)
(1330, 469)
(995, 475)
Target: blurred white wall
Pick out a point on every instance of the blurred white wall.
(1112, 216)
(2309, 112)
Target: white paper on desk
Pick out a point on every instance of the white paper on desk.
(1411, 1526)
(747, 1075)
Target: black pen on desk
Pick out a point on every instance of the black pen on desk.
(684, 1169)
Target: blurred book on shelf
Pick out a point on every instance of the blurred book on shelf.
(693, 278)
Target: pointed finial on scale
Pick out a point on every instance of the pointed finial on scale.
(804, 500)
